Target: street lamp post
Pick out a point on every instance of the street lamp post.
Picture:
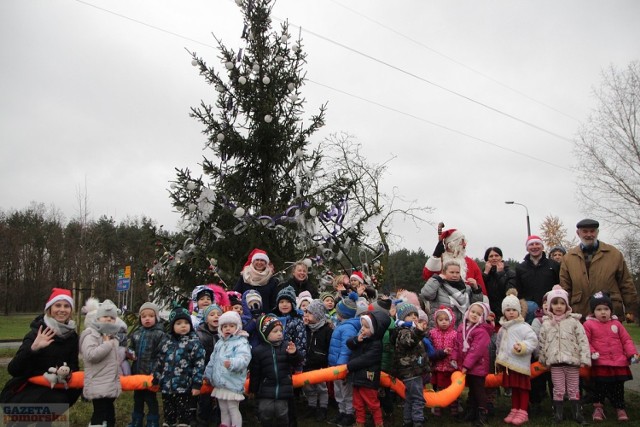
(511, 202)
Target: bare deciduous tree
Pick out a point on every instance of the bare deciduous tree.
(608, 152)
(554, 233)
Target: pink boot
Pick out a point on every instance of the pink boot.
(521, 417)
(509, 418)
(598, 412)
(622, 415)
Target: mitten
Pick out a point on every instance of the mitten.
(439, 250)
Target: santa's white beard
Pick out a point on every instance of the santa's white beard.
(459, 256)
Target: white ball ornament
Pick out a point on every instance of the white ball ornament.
(293, 97)
(242, 80)
(191, 185)
(173, 186)
(239, 212)
(313, 212)
(220, 88)
(268, 118)
(220, 137)
(299, 153)
(255, 68)
(291, 86)
(295, 48)
(229, 65)
(192, 207)
(279, 58)
(194, 62)
(239, 2)
(284, 38)
(307, 262)
(266, 80)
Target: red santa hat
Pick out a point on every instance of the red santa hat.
(257, 254)
(357, 275)
(59, 294)
(534, 239)
(452, 235)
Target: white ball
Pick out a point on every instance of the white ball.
(307, 262)
(192, 207)
(279, 58)
(220, 88)
(173, 186)
(239, 2)
(266, 80)
(220, 137)
(295, 48)
(291, 86)
(229, 65)
(299, 153)
(191, 185)
(242, 80)
(294, 97)
(239, 212)
(194, 62)
(284, 38)
(255, 68)
(313, 212)
(268, 118)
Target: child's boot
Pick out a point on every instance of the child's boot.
(521, 417)
(576, 408)
(136, 420)
(558, 409)
(598, 412)
(153, 421)
(622, 415)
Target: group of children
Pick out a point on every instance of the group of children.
(220, 347)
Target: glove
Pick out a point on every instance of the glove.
(454, 364)
(634, 359)
(595, 356)
(439, 250)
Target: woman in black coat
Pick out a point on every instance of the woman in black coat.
(497, 279)
(51, 342)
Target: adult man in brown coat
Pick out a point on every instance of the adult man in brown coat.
(594, 266)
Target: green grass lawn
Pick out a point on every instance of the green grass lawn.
(14, 327)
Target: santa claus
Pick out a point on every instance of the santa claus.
(452, 246)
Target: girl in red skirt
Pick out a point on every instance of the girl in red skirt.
(612, 350)
(516, 341)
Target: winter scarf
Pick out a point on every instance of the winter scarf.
(62, 330)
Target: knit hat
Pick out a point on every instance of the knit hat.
(235, 298)
(534, 239)
(229, 317)
(362, 306)
(382, 304)
(485, 310)
(357, 275)
(558, 292)
(447, 311)
(346, 308)
(150, 306)
(107, 309)
(201, 291)
(177, 314)
(59, 294)
(558, 249)
(325, 295)
(600, 298)
(511, 301)
(209, 309)
(287, 293)
(259, 254)
(253, 300)
(404, 309)
(366, 318)
(303, 296)
(422, 315)
(266, 324)
(316, 309)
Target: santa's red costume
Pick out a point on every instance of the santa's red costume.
(451, 246)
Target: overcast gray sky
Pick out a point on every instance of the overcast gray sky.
(478, 100)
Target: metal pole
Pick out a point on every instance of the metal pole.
(511, 202)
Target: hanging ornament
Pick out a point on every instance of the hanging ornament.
(251, 36)
(194, 62)
(191, 185)
(242, 80)
(220, 137)
(268, 118)
(295, 48)
(173, 186)
(291, 86)
(284, 38)
(220, 88)
(279, 58)
(239, 2)
(313, 212)
(179, 208)
(239, 212)
(192, 207)
(299, 153)
(229, 65)
(307, 262)
(266, 80)
(293, 97)
(255, 68)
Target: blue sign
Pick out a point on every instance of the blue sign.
(123, 284)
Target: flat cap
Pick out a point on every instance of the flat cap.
(588, 223)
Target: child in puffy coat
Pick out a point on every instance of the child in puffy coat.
(472, 358)
(514, 345)
(227, 368)
(612, 350)
(565, 348)
(444, 339)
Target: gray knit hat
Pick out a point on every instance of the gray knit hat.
(107, 309)
(316, 309)
(150, 306)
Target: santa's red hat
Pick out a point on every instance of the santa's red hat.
(451, 235)
(257, 254)
(357, 275)
(59, 294)
(534, 239)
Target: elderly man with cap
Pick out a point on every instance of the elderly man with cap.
(594, 266)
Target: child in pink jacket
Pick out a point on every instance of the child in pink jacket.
(444, 339)
(612, 350)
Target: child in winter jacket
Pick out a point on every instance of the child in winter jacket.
(514, 345)
(99, 348)
(252, 309)
(364, 366)
(410, 361)
(144, 345)
(179, 369)
(291, 319)
(227, 368)
(319, 333)
(329, 301)
(443, 337)
(339, 353)
(565, 348)
(270, 372)
(612, 350)
(201, 298)
(207, 333)
(473, 338)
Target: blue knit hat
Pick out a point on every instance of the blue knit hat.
(404, 309)
(209, 309)
(287, 293)
(346, 308)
